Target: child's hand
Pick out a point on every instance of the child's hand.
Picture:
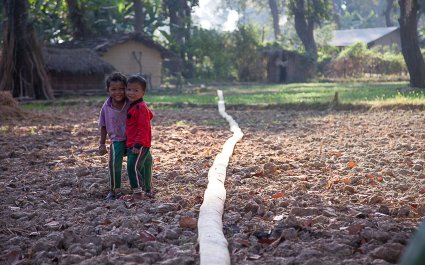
(102, 149)
(135, 150)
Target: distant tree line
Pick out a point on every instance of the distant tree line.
(203, 54)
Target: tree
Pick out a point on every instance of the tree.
(409, 16)
(22, 67)
(179, 13)
(48, 20)
(246, 44)
(307, 14)
(105, 17)
(1, 18)
(259, 13)
(153, 19)
(139, 15)
(275, 15)
(387, 13)
(78, 20)
(364, 14)
(336, 7)
(212, 54)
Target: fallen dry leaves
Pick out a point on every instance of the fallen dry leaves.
(302, 187)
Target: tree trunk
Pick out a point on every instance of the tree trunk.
(175, 14)
(80, 28)
(409, 16)
(139, 15)
(179, 12)
(275, 15)
(22, 67)
(387, 13)
(177, 39)
(305, 30)
(336, 15)
(189, 67)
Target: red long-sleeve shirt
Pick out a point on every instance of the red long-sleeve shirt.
(138, 125)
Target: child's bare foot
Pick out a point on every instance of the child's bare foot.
(138, 196)
(132, 197)
(112, 195)
(149, 194)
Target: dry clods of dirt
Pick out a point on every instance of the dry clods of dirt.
(303, 187)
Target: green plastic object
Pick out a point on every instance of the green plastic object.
(415, 251)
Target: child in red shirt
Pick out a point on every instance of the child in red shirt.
(139, 138)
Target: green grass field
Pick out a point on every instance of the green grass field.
(305, 93)
(365, 94)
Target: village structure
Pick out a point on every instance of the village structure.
(80, 66)
(289, 67)
(372, 37)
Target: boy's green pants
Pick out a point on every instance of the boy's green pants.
(139, 168)
(116, 154)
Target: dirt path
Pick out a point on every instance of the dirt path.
(303, 188)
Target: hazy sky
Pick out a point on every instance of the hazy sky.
(208, 16)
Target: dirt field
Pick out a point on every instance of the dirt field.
(303, 187)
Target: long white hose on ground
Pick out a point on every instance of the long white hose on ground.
(213, 246)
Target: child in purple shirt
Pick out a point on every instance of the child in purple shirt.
(112, 121)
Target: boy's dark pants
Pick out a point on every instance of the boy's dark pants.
(116, 154)
(139, 168)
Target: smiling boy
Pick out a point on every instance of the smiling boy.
(139, 138)
(112, 121)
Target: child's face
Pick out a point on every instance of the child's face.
(117, 91)
(135, 91)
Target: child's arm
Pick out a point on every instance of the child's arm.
(102, 146)
(103, 132)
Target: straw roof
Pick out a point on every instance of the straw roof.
(75, 61)
(103, 44)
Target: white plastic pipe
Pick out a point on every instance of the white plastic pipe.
(213, 246)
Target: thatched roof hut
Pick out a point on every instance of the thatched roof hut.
(75, 61)
(129, 53)
(76, 71)
(102, 44)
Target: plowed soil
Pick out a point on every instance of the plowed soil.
(303, 187)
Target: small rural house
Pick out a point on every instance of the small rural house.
(370, 36)
(129, 53)
(76, 71)
(286, 66)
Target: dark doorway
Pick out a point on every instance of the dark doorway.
(282, 74)
(283, 69)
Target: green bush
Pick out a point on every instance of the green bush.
(359, 61)
(355, 51)
(212, 56)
